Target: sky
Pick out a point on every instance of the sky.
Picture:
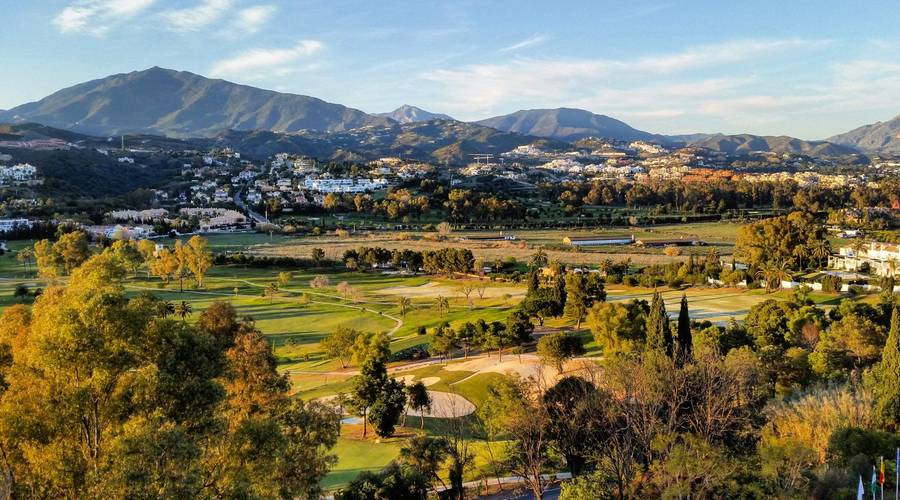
(803, 68)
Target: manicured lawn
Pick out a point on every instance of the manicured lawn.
(355, 456)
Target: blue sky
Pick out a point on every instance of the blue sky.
(803, 68)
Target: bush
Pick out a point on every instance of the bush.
(831, 283)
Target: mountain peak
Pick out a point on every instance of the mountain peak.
(407, 113)
(567, 124)
(181, 104)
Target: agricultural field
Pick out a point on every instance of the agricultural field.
(295, 317)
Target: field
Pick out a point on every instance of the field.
(298, 317)
(718, 235)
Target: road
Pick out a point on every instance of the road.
(260, 219)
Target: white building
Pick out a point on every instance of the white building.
(344, 185)
(883, 259)
(10, 224)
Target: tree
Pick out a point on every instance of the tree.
(538, 259)
(271, 291)
(385, 412)
(220, 321)
(403, 304)
(618, 327)
(318, 256)
(578, 301)
(47, 259)
(149, 407)
(659, 334)
(442, 304)
(518, 330)
(183, 310)
(444, 341)
(367, 386)
(339, 344)
(393, 482)
(284, 278)
(685, 341)
(20, 292)
(426, 454)
(574, 409)
(885, 379)
(556, 348)
(24, 257)
(419, 400)
(320, 281)
(72, 249)
(371, 345)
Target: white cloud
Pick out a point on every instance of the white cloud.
(251, 19)
(97, 17)
(528, 42)
(654, 85)
(257, 63)
(197, 17)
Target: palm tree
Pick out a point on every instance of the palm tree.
(800, 251)
(539, 259)
(403, 303)
(820, 250)
(183, 310)
(271, 290)
(773, 275)
(168, 308)
(442, 304)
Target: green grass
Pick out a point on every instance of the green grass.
(355, 456)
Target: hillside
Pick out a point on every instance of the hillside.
(566, 124)
(880, 137)
(437, 140)
(182, 104)
(412, 114)
(747, 143)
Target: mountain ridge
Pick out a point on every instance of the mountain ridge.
(878, 137)
(410, 114)
(183, 104)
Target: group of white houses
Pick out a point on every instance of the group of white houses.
(882, 259)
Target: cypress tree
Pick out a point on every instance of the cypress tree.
(659, 334)
(534, 282)
(685, 341)
(886, 383)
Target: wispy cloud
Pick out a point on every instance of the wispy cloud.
(524, 44)
(251, 19)
(197, 17)
(639, 85)
(97, 17)
(260, 63)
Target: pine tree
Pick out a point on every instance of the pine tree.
(659, 334)
(685, 341)
(886, 380)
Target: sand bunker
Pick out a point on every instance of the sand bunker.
(428, 381)
(529, 366)
(446, 405)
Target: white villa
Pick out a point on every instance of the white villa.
(883, 259)
(344, 185)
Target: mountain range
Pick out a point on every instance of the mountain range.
(880, 137)
(180, 104)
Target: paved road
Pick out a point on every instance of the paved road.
(260, 219)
